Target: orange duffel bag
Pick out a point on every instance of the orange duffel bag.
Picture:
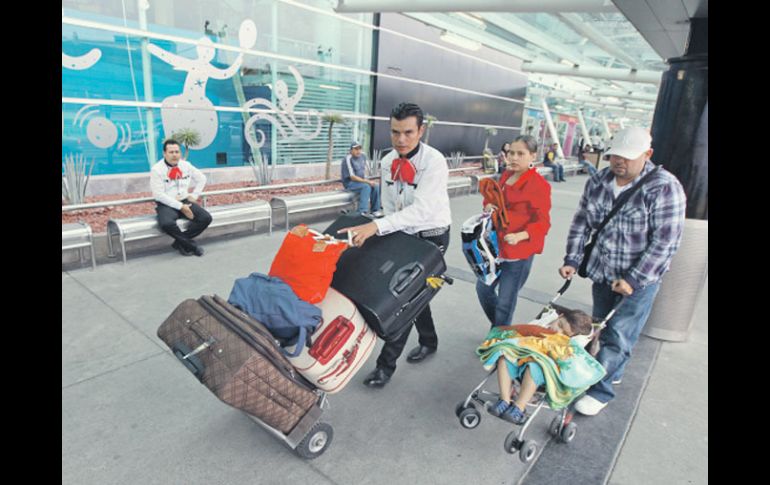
(306, 262)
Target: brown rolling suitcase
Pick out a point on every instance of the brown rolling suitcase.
(238, 360)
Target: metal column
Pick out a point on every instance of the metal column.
(583, 127)
(552, 130)
(150, 142)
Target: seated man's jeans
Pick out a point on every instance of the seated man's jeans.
(368, 196)
(621, 334)
(588, 166)
(558, 170)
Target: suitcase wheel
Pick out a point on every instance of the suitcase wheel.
(316, 441)
(192, 363)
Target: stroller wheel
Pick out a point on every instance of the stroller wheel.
(470, 418)
(512, 443)
(555, 425)
(528, 451)
(461, 407)
(568, 433)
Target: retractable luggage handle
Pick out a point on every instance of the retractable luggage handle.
(187, 356)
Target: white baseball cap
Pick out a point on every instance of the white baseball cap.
(630, 143)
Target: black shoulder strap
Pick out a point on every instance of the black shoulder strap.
(623, 198)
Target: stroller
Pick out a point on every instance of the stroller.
(562, 426)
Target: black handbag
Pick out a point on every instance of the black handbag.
(589, 247)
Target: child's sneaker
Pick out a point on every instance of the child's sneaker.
(499, 408)
(514, 415)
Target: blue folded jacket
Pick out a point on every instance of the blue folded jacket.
(273, 303)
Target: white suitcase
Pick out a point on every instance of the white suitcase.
(340, 345)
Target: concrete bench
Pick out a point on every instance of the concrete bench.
(572, 167)
(143, 227)
(295, 204)
(78, 235)
(459, 184)
(477, 178)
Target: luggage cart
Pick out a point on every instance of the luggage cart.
(310, 437)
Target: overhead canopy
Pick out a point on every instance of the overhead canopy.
(591, 49)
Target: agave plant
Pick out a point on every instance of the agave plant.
(373, 165)
(74, 180)
(332, 118)
(263, 170)
(455, 159)
(187, 137)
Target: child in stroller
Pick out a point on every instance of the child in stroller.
(551, 339)
(563, 365)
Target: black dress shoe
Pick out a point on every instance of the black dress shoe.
(378, 378)
(198, 251)
(419, 353)
(181, 249)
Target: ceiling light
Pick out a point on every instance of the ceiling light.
(326, 86)
(460, 41)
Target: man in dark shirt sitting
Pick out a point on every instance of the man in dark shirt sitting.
(354, 179)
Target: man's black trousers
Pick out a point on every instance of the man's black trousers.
(167, 217)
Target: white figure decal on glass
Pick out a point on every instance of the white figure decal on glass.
(285, 113)
(78, 63)
(192, 109)
(100, 131)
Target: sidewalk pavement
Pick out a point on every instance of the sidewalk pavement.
(132, 414)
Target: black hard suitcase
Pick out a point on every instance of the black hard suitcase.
(386, 277)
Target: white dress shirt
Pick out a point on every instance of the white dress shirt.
(411, 209)
(167, 191)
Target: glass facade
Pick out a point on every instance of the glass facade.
(136, 71)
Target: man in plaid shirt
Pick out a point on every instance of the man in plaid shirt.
(631, 254)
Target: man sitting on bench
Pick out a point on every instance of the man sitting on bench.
(170, 180)
(354, 179)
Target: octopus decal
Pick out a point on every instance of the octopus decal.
(285, 114)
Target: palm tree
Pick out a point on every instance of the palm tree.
(429, 121)
(488, 162)
(332, 118)
(490, 132)
(187, 137)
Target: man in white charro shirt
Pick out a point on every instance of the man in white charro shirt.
(415, 203)
(170, 180)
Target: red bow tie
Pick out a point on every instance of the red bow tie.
(403, 170)
(175, 173)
